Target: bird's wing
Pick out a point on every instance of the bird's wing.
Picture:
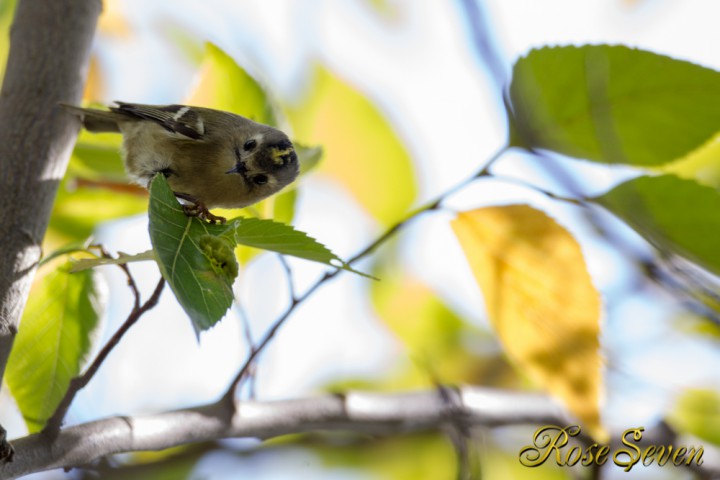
(174, 118)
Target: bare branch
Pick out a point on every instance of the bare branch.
(356, 412)
(49, 53)
(370, 413)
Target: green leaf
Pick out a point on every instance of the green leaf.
(697, 412)
(54, 338)
(224, 85)
(198, 270)
(197, 259)
(78, 211)
(673, 214)
(280, 238)
(612, 104)
(72, 247)
(96, 156)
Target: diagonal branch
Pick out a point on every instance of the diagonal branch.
(52, 427)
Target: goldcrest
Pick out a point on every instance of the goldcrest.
(210, 158)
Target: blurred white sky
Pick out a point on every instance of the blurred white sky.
(421, 70)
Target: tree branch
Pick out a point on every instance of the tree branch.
(49, 54)
(369, 413)
(356, 412)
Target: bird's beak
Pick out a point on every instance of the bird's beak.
(238, 168)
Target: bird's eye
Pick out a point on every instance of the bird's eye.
(260, 179)
(285, 159)
(249, 145)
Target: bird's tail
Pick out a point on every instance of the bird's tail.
(95, 120)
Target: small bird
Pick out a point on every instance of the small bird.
(210, 158)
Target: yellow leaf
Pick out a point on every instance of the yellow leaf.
(540, 301)
(95, 84)
(113, 21)
(362, 150)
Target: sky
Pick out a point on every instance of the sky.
(420, 68)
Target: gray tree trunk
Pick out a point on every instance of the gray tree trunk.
(50, 44)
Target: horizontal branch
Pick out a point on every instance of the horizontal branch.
(364, 413)
(370, 413)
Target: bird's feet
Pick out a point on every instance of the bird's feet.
(199, 210)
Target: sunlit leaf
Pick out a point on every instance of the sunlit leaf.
(439, 342)
(675, 215)
(77, 212)
(612, 104)
(697, 412)
(197, 259)
(53, 340)
(407, 457)
(702, 164)
(224, 85)
(96, 156)
(362, 150)
(94, 84)
(113, 21)
(72, 247)
(7, 11)
(540, 300)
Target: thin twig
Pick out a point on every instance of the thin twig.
(52, 428)
(130, 279)
(581, 202)
(289, 274)
(435, 204)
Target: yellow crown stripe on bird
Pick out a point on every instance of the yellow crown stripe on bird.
(278, 154)
(211, 158)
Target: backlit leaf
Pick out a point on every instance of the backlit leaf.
(224, 85)
(54, 338)
(197, 259)
(697, 412)
(436, 337)
(701, 165)
(540, 301)
(676, 215)
(77, 211)
(612, 104)
(362, 150)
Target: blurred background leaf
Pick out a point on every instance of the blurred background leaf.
(53, 342)
(362, 150)
(442, 346)
(224, 85)
(697, 412)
